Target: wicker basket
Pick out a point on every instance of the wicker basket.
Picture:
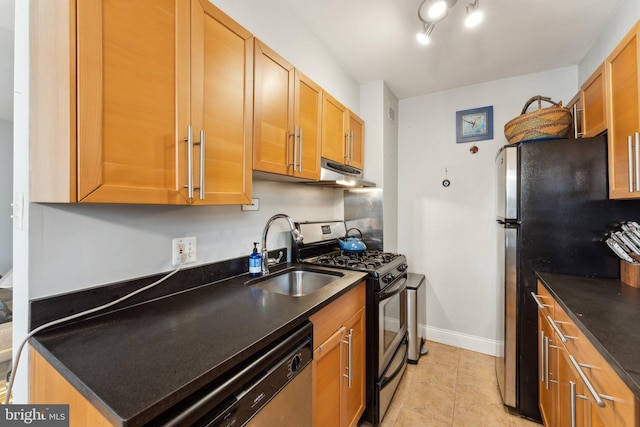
(545, 123)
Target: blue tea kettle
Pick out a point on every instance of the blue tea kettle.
(350, 244)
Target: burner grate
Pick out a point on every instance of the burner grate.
(368, 260)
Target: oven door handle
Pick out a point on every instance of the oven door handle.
(386, 379)
(393, 290)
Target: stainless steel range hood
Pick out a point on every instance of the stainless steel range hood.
(333, 174)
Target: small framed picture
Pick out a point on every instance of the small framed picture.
(475, 124)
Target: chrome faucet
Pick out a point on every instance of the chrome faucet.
(297, 237)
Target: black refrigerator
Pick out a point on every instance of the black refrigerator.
(552, 213)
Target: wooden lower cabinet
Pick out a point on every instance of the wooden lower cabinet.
(47, 386)
(548, 368)
(571, 396)
(339, 361)
(588, 392)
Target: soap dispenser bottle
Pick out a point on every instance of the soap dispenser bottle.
(255, 262)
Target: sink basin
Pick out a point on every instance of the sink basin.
(295, 282)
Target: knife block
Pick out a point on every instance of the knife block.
(630, 273)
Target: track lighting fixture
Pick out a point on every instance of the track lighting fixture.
(423, 36)
(431, 12)
(474, 15)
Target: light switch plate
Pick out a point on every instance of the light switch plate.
(254, 206)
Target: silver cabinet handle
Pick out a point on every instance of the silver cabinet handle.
(300, 139)
(572, 402)
(575, 122)
(202, 173)
(189, 140)
(542, 356)
(555, 328)
(347, 143)
(538, 303)
(630, 159)
(586, 382)
(546, 363)
(637, 160)
(295, 147)
(349, 342)
(190, 144)
(352, 144)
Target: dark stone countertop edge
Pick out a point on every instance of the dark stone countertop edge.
(548, 280)
(147, 414)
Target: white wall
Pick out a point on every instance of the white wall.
(273, 23)
(448, 234)
(381, 152)
(624, 17)
(6, 191)
(71, 247)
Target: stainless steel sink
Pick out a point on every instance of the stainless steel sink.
(295, 281)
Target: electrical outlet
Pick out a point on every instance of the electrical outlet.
(183, 245)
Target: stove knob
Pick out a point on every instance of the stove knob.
(402, 267)
(388, 278)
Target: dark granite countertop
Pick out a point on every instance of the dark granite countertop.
(607, 312)
(135, 363)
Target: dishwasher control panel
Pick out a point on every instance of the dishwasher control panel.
(252, 396)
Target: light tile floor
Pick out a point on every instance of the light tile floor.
(450, 387)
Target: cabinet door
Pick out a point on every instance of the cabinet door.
(355, 155)
(354, 361)
(273, 111)
(327, 380)
(594, 104)
(548, 371)
(221, 105)
(571, 399)
(623, 114)
(334, 124)
(575, 106)
(308, 122)
(129, 88)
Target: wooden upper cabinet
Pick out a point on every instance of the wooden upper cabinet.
(355, 141)
(287, 116)
(342, 134)
(334, 124)
(111, 111)
(621, 71)
(308, 121)
(273, 111)
(594, 104)
(221, 106)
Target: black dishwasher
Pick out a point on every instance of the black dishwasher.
(272, 388)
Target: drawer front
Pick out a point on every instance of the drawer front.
(574, 338)
(619, 401)
(544, 300)
(330, 318)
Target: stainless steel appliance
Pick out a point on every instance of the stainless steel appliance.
(552, 211)
(416, 308)
(386, 309)
(274, 388)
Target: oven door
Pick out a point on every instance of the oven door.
(392, 321)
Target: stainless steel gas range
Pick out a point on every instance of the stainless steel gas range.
(386, 309)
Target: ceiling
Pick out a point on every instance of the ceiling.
(375, 40)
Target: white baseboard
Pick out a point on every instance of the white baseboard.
(457, 339)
